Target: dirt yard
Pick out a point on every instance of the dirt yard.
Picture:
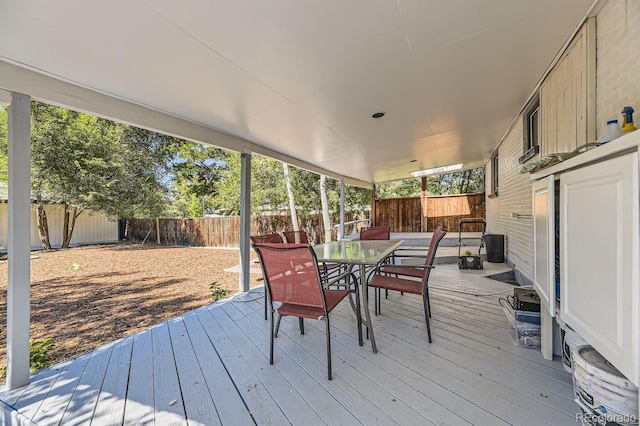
(87, 296)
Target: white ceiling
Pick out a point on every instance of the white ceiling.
(304, 77)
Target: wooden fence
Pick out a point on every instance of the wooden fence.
(425, 214)
(222, 231)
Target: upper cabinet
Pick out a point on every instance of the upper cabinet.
(567, 97)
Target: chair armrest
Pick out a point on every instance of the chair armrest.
(411, 266)
(336, 279)
(410, 256)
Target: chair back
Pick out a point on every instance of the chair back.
(297, 237)
(291, 274)
(438, 235)
(375, 233)
(268, 238)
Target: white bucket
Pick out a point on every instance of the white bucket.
(570, 341)
(601, 390)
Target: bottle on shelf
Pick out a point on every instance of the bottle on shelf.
(611, 131)
(627, 121)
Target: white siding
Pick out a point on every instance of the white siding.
(514, 196)
(91, 227)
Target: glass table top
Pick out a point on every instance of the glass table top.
(356, 252)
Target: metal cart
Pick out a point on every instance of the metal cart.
(473, 261)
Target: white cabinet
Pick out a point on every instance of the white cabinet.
(544, 261)
(599, 233)
(544, 243)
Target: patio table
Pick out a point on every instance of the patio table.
(361, 254)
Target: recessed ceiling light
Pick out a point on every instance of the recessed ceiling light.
(378, 115)
(437, 170)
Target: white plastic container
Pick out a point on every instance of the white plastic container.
(570, 341)
(611, 131)
(602, 392)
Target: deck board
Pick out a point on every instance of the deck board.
(211, 366)
(139, 404)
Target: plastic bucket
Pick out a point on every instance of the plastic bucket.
(570, 341)
(603, 393)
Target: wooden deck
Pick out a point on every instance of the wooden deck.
(211, 366)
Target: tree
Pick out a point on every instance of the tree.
(197, 169)
(268, 188)
(326, 219)
(292, 200)
(464, 182)
(83, 162)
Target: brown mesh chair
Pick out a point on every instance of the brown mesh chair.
(260, 239)
(403, 277)
(296, 237)
(300, 237)
(375, 233)
(293, 279)
(267, 238)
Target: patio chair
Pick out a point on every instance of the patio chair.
(403, 278)
(375, 233)
(300, 237)
(292, 278)
(267, 238)
(296, 237)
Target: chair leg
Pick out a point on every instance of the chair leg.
(301, 321)
(427, 314)
(426, 290)
(328, 332)
(272, 336)
(277, 323)
(265, 302)
(358, 313)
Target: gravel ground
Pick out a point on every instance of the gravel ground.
(87, 296)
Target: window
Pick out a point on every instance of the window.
(494, 174)
(531, 125)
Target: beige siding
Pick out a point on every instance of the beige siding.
(514, 197)
(618, 71)
(564, 100)
(91, 227)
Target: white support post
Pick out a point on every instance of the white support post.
(341, 227)
(245, 220)
(19, 241)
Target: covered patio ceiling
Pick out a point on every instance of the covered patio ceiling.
(300, 79)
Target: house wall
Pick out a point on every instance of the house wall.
(618, 60)
(514, 196)
(91, 227)
(617, 85)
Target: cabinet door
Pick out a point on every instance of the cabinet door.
(599, 259)
(544, 243)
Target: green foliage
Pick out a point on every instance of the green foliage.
(217, 292)
(269, 193)
(197, 170)
(41, 352)
(74, 267)
(464, 182)
(399, 189)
